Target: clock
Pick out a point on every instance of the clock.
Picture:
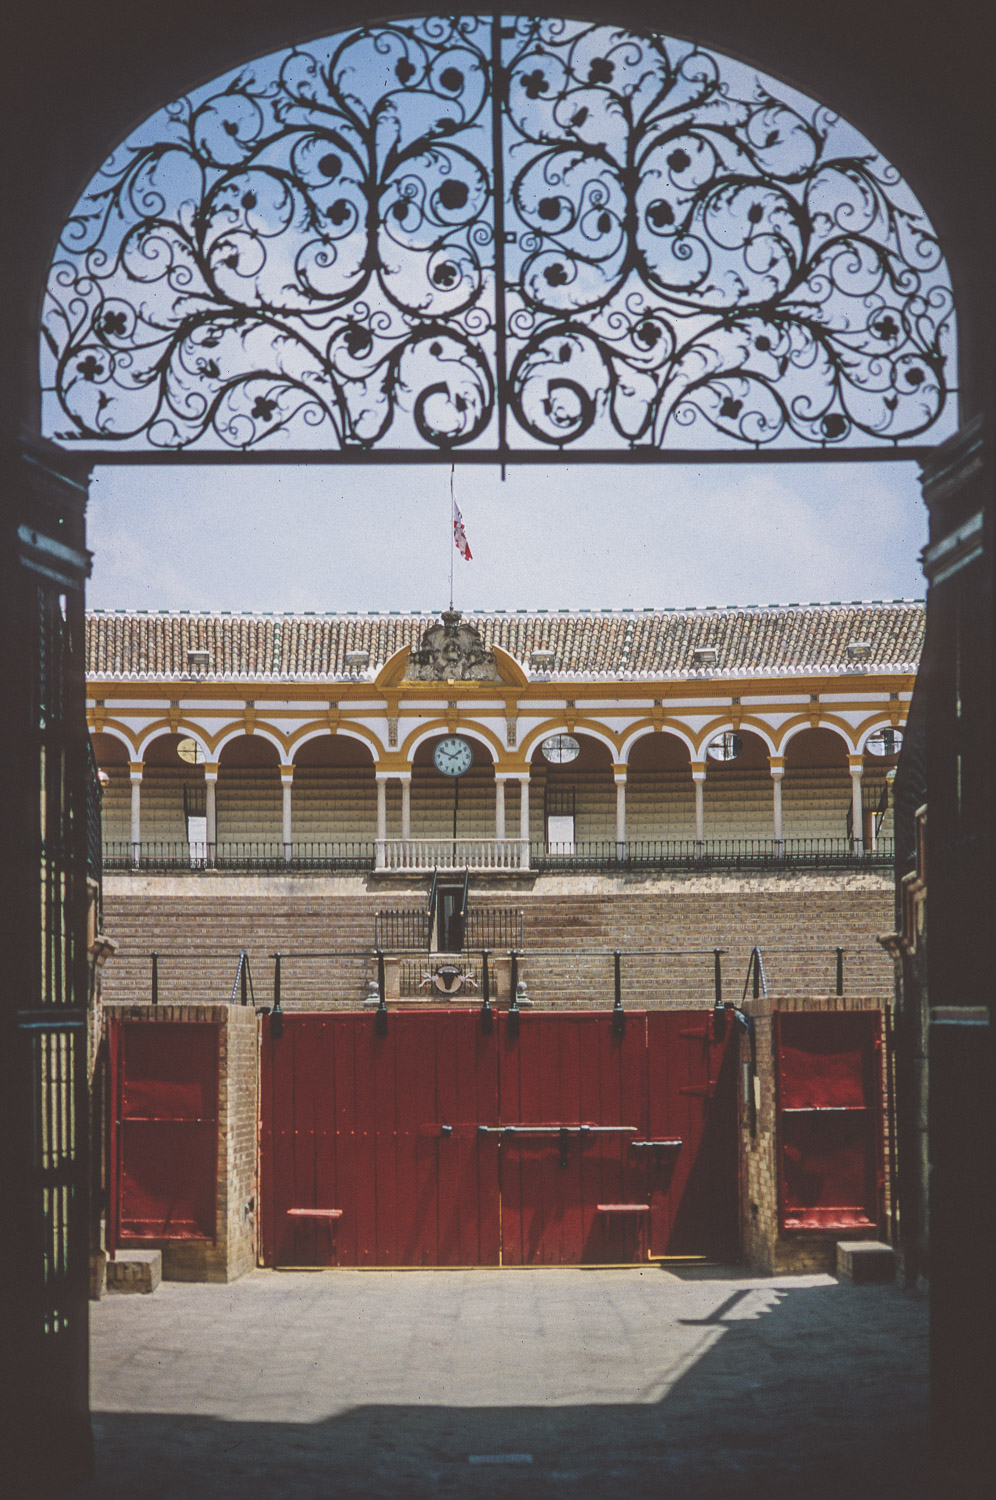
(453, 755)
(559, 749)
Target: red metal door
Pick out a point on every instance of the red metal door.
(690, 1153)
(441, 1142)
(829, 1096)
(164, 1146)
(573, 1096)
(384, 1128)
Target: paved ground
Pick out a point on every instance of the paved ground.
(473, 1384)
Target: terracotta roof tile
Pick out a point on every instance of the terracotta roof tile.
(774, 640)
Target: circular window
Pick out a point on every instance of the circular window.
(726, 746)
(190, 751)
(884, 742)
(560, 748)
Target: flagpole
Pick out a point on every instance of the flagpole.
(452, 532)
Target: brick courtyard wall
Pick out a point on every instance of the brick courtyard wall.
(234, 1249)
(764, 1247)
(199, 923)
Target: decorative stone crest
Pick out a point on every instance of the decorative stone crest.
(452, 651)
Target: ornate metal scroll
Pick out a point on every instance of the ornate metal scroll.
(632, 244)
(702, 257)
(300, 253)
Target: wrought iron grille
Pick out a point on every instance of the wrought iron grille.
(502, 235)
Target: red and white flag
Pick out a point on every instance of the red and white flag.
(460, 536)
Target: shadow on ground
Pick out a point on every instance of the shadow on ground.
(816, 1392)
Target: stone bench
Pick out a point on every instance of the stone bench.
(135, 1271)
(865, 1261)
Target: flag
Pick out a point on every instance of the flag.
(460, 536)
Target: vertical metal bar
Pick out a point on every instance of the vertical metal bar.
(487, 1015)
(498, 177)
(756, 964)
(276, 981)
(890, 1105)
(717, 962)
(840, 971)
(155, 978)
(380, 1019)
(244, 967)
(617, 975)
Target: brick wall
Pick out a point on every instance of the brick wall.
(234, 1249)
(764, 1246)
(199, 922)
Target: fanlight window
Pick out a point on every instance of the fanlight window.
(885, 742)
(505, 234)
(726, 746)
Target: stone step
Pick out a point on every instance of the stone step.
(135, 1271)
(865, 1261)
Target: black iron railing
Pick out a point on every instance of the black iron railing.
(692, 854)
(600, 854)
(405, 929)
(266, 856)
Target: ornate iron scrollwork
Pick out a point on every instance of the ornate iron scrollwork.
(509, 234)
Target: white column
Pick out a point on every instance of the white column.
(135, 772)
(855, 764)
(619, 773)
(777, 765)
(524, 822)
(211, 810)
(381, 858)
(499, 808)
(406, 806)
(286, 781)
(698, 781)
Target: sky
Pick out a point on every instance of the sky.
(334, 538)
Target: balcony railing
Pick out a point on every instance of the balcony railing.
(422, 856)
(273, 857)
(452, 854)
(724, 854)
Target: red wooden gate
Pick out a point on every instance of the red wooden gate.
(164, 1144)
(829, 1093)
(557, 1142)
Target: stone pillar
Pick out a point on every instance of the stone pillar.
(286, 780)
(135, 769)
(381, 857)
(619, 775)
(406, 806)
(777, 765)
(524, 822)
(211, 811)
(855, 764)
(698, 781)
(499, 807)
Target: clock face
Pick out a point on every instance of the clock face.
(560, 748)
(453, 755)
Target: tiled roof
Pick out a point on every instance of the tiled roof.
(600, 645)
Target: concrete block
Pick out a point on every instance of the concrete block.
(98, 1275)
(865, 1261)
(135, 1271)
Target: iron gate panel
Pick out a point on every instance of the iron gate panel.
(443, 1143)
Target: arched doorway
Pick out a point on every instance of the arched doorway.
(895, 71)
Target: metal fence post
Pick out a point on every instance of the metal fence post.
(718, 974)
(618, 1014)
(513, 1009)
(380, 1018)
(155, 978)
(840, 971)
(487, 1014)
